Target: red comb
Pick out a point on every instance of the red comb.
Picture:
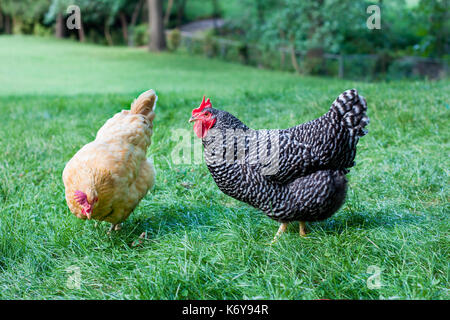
(203, 105)
(80, 197)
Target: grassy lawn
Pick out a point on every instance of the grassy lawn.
(54, 95)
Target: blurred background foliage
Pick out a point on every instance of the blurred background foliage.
(325, 37)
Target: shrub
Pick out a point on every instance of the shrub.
(210, 47)
(174, 39)
(401, 68)
(140, 35)
(40, 30)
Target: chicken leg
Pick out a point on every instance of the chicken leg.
(281, 230)
(302, 229)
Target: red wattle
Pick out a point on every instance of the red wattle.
(199, 129)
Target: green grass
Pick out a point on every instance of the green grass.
(54, 95)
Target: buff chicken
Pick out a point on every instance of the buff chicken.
(107, 178)
(295, 174)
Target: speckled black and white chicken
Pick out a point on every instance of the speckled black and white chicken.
(295, 174)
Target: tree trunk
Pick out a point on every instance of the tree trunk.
(180, 12)
(108, 34)
(216, 14)
(14, 25)
(157, 34)
(294, 58)
(168, 11)
(123, 22)
(81, 35)
(282, 52)
(7, 24)
(59, 26)
(134, 18)
(341, 66)
(136, 11)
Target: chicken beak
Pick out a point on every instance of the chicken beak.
(89, 215)
(192, 119)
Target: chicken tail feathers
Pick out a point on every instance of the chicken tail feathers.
(145, 104)
(350, 108)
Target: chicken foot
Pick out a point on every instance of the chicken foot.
(115, 227)
(280, 231)
(283, 227)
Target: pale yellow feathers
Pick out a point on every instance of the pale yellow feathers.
(145, 104)
(114, 166)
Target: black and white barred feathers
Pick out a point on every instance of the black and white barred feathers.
(295, 174)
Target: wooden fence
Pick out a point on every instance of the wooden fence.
(355, 66)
